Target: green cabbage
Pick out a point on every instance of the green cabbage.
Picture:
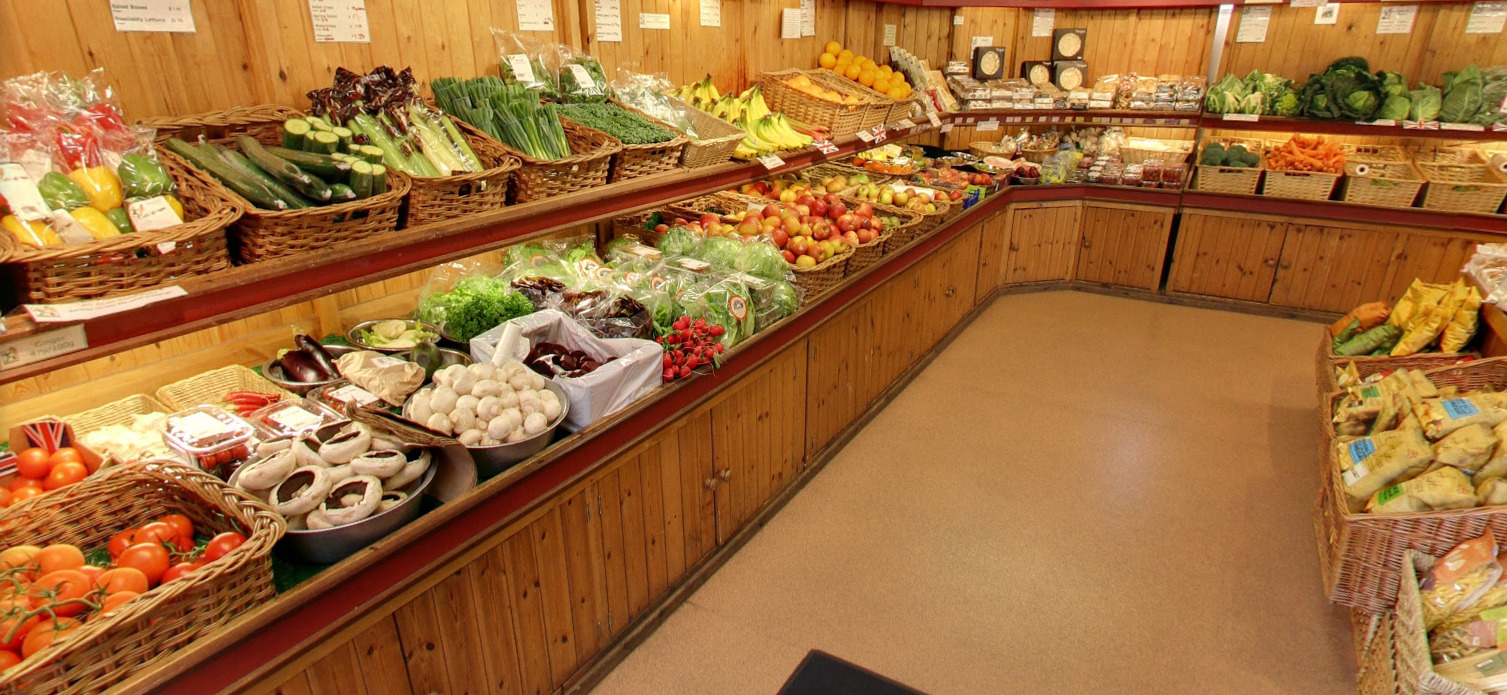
(1395, 108)
(1286, 105)
(762, 260)
(720, 251)
(678, 241)
(1393, 84)
(1253, 103)
(1462, 96)
(1426, 100)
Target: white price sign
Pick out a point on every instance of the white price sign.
(904, 123)
(986, 126)
(771, 161)
(934, 118)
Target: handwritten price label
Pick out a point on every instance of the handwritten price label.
(771, 161)
(1246, 117)
(865, 136)
(905, 123)
(936, 121)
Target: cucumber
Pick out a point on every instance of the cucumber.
(294, 131)
(342, 194)
(347, 158)
(307, 185)
(371, 153)
(208, 161)
(379, 179)
(319, 123)
(320, 141)
(332, 168)
(345, 137)
(237, 161)
(362, 179)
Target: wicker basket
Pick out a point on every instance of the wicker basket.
(816, 280)
(634, 224)
(1460, 181)
(1231, 180)
(1360, 554)
(1037, 155)
(865, 255)
(1411, 661)
(990, 148)
(633, 161)
(838, 119)
(1302, 185)
(120, 412)
(1328, 362)
(210, 388)
(1177, 152)
(108, 650)
(129, 262)
(1385, 184)
(587, 167)
(1378, 675)
(262, 234)
(816, 174)
(876, 106)
(447, 197)
(719, 139)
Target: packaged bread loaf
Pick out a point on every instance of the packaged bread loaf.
(390, 378)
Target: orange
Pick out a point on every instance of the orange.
(881, 84)
(845, 53)
(834, 47)
(896, 93)
(866, 78)
(827, 60)
(886, 70)
(852, 72)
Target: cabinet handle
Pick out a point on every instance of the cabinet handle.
(951, 291)
(725, 474)
(711, 483)
(1270, 262)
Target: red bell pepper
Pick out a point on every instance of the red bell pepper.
(78, 148)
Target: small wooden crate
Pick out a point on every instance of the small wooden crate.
(129, 262)
(633, 224)
(1460, 181)
(447, 197)
(262, 234)
(838, 119)
(717, 141)
(587, 167)
(1361, 554)
(108, 650)
(633, 161)
(210, 388)
(1227, 179)
(990, 148)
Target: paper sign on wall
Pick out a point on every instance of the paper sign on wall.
(711, 13)
(535, 15)
(1306, 3)
(1328, 13)
(957, 20)
(790, 23)
(889, 34)
(1042, 21)
(808, 17)
(1253, 22)
(339, 21)
(1486, 18)
(609, 17)
(175, 16)
(41, 346)
(981, 41)
(653, 20)
(1396, 19)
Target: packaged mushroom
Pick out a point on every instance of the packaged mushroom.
(334, 476)
(484, 405)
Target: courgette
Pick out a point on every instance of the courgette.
(208, 161)
(319, 123)
(342, 194)
(331, 168)
(361, 179)
(379, 179)
(344, 134)
(320, 141)
(242, 165)
(371, 153)
(294, 131)
(307, 185)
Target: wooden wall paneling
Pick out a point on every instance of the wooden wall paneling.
(1450, 48)
(651, 481)
(554, 595)
(1431, 257)
(994, 240)
(998, 22)
(758, 435)
(830, 398)
(585, 559)
(1043, 243)
(1123, 245)
(455, 603)
(635, 554)
(418, 624)
(496, 614)
(296, 684)
(338, 673)
(379, 654)
(1226, 256)
(1145, 41)
(959, 267)
(1331, 268)
(532, 636)
(1296, 47)
(614, 563)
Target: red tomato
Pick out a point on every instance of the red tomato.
(120, 541)
(33, 463)
(45, 634)
(65, 473)
(20, 556)
(123, 579)
(184, 526)
(21, 481)
(65, 454)
(93, 572)
(25, 493)
(5, 499)
(59, 556)
(222, 544)
(179, 570)
(151, 558)
(8, 659)
(16, 629)
(64, 589)
(114, 600)
(163, 533)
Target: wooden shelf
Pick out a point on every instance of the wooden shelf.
(1307, 125)
(1103, 4)
(1091, 117)
(1335, 210)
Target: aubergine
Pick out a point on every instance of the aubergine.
(301, 367)
(315, 351)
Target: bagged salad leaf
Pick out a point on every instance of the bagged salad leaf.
(721, 301)
(581, 77)
(763, 260)
(647, 93)
(464, 300)
(678, 241)
(723, 252)
(527, 61)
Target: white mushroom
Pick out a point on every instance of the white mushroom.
(338, 474)
(470, 437)
(379, 463)
(463, 383)
(391, 499)
(536, 380)
(411, 472)
(439, 422)
(305, 453)
(485, 388)
(487, 440)
(488, 408)
(535, 423)
(482, 370)
(468, 402)
(509, 398)
(301, 491)
(271, 446)
(316, 521)
(552, 408)
(352, 500)
(443, 399)
(343, 447)
(517, 435)
(463, 419)
(499, 427)
(267, 471)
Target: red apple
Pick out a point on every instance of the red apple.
(708, 219)
(770, 210)
(847, 222)
(836, 210)
(876, 224)
(851, 238)
(803, 209)
(805, 199)
(789, 257)
(791, 224)
(866, 235)
(797, 245)
(831, 199)
(779, 237)
(661, 228)
(819, 208)
(821, 234)
(864, 210)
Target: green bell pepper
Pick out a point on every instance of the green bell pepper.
(61, 193)
(121, 220)
(143, 177)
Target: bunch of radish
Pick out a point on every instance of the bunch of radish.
(688, 345)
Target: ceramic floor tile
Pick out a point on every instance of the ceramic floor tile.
(1081, 494)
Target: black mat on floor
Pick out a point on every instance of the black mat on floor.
(821, 673)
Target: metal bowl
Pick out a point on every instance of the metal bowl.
(274, 372)
(330, 545)
(354, 334)
(493, 460)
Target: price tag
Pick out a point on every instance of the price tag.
(201, 425)
(68, 229)
(385, 362)
(1472, 127)
(986, 126)
(522, 70)
(905, 123)
(295, 419)
(353, 393)
(21, 192)
(151, 214)
(880, 134)
(1379, 121)
(946, 128)
(35, 348)
(86, 309)
(936, 121)
(865, 136)
(825, 146)
(771, 161)
(1246, 117)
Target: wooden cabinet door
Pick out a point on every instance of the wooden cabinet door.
(1331, 268)
(1124, 245)
(1043, 243)
(759, 432)
(1226, 256)
(994, 234)
(1435, 257)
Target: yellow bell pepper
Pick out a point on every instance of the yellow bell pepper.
(37, 234)
(99, 226)
(176, 205)
(101, 185)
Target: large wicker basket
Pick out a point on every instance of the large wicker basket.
(209, 388)
(903, 234)
(816, 174)
(865, 255)
(634, 224)
(1378, 675)
(1139, 150)
(538, 179)
(838, 119)
(1460, 181)
(108, 650)
(1227, 179)
(717, 141)
(633, 161)
(1366, 366)
(818, 279)
(1360, 554)
(458, 195)
(262, 234)
(876, 106)
(1411, 661)
(129, 262)
(120, 412)
(1302, 185)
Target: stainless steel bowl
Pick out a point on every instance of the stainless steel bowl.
(493, 460)
(274, 372)
(330, 545)
(354, 334)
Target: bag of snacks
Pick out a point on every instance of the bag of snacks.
(1440, 489)
(1462, 575)
(1467, 448)
(1369, 465)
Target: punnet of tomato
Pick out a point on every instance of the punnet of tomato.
(135, 560)
(47, 457)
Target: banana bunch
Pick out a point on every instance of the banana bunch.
(767, 131)
(766, 134)
(700, 94)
